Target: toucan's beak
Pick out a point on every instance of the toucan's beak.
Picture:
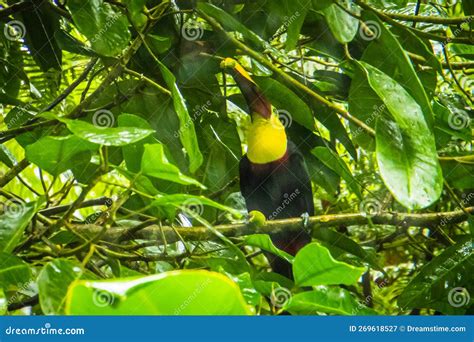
(256, 101)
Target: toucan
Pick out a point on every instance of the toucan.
(274, 179)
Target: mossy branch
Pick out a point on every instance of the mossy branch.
(170, 234)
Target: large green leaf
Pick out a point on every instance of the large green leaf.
(330, 300)
(314, 265)
(335, 239)
(13, 272)
(106, 29)
(387, 55)
(437, 284)
(53, 282)
(183, 292)
(406, 150)
(16, 217)
(58, 154)
(342, 24)
(187, 132)
(335, 163)
(155, 164)
(108, 136)
(289, 105)
(365, 105)
(264, 242)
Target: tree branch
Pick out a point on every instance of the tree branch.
(430, 19)
(384, 17)
(13, 172)
(165, 233)
(287, 78)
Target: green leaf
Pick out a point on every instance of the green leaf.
(416, 45)
(264, 242)
(335, 163)
(250, 294)
(433, 286)
(53, 282)
(106, 29)
(14, 272)
(16, 217)
(155, 164)
(338, 240)
(3, 303)
(329, 300)
(132, 154)
(314, 265)
(458, 172)
(136, 9)
(333, 123)
(406, 150)
(342, 24)
(192, 203)
(297, 10)
(57, 154)
(187, 132)
(387, 55)
(69, 43)
(321, 4)
(108, 136)
(182, 292)
(40, 23)
(365, 105)
(231, 24)
(222, 148)
(451, 123)
(289, 105)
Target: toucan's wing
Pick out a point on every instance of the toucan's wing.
(299, 172)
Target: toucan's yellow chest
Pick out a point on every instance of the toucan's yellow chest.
(266, 140)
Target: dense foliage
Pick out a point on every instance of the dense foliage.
(121, 136)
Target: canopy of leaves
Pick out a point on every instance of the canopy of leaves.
(121, 138)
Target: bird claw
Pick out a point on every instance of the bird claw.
(305, 219)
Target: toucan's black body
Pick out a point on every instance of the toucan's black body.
(280, 189)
